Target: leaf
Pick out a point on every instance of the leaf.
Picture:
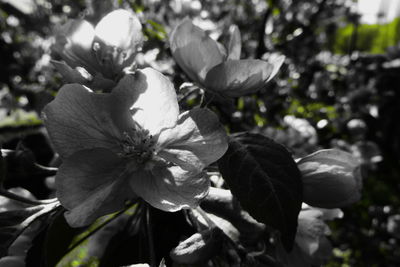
(13, 223)
(265, 179)
(58, 239)
(91, 246)
(132, 247)
(20, 165)
(13, 217)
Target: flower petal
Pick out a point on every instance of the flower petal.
(116, 49)
(152, 99)
(197, 141)
(90, 184)
(170, 189)
(331, 178)
(310, 230)
(239, 77)
(235, 43)
(194, 50)
(79, 119)
(74, 42)
(129, 35)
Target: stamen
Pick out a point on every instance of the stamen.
(138, 144)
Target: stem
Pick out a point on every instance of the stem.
(153, 262)
(202, 98)
(204, 103)
(16, 197)
(191, 89)
(205, 217)
(49, 170)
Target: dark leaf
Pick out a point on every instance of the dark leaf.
(124, 241)
(19, 220)
(14, 217)
(92, 246)
(168, 229)
(21, 165)
(35, 254)
(265, 179)
(58, 239)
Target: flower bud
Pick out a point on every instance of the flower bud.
(311, 229)
(198, 248)
(331, 178)
(73, 42)
(117, 38)
(107, 48)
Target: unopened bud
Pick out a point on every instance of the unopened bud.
(118, 36)
(331, 178)
(198, 248)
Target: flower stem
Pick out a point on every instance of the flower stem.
(153, 262)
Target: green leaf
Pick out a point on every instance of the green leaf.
(19, 118)
(155, 30)
(265, 179)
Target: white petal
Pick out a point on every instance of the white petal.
(153, 99)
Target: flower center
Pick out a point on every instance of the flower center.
(138, 144)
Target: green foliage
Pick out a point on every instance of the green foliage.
(155, 30)
(315, 111)
(20, 118)
(370, 38)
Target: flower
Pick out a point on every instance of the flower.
(312, 247)
(205, 62)
(102, 50)
(311, 234)
(331, 178)
(130, 142)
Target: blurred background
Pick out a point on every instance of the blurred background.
(339, 87)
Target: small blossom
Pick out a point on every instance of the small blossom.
(311, 233)
(331, 178)
(218, 69)
(130, 142)
(312, 247)
(103, 50)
